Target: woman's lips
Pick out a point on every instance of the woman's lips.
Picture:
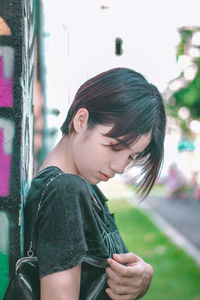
(104, 177)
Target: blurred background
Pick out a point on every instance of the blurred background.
(75, 40)
(161, 40)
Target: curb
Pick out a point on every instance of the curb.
(169, 230)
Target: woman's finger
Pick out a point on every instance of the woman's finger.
(121, 270)
(116, 278)
(121, 289)
(115, 296)
(126, 258)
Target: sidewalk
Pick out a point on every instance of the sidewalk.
(179, 219)
(184, 215)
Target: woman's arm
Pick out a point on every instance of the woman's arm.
(63, 285)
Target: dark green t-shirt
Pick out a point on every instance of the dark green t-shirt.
(71, 228)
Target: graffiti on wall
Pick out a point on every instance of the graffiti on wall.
(7, 132)
(6, 125)
(16, 124)
(6, 76)
(4, 28)
(27, 96)
(6, 139)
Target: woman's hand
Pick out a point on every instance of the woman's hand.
(129, 277)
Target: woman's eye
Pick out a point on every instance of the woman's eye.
(109, 146)
(133, 156)
(113, 147)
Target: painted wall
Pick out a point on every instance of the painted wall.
(16, 126)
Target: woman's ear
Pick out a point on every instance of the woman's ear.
(80, 119)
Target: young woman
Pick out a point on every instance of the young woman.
(117, 119)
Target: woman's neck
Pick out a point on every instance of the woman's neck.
(61, 156)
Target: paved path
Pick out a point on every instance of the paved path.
(178, 219)
(184, 215)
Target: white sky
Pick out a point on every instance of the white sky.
(81, 40)
(148, 29)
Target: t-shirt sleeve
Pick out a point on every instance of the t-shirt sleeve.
(61, 238)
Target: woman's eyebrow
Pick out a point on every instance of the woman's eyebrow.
(127, 146)
(119, 141)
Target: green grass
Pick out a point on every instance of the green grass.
(176, 275)
(3, 274)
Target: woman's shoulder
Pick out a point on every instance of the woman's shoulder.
(63, 181)
(59, 178)
(62, 187)
(52, 181)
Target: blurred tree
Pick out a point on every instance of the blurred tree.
(183, 93)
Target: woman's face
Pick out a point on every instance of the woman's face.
(95, 159)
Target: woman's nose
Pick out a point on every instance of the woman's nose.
(118, 166)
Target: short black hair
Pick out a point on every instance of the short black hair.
(124, 98)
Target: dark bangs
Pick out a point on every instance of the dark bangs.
(138, 120)
(150, 162)
(127, 131)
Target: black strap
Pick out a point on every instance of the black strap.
(31, 251)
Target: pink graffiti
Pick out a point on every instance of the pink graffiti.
(5, 165)
(6, 88)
